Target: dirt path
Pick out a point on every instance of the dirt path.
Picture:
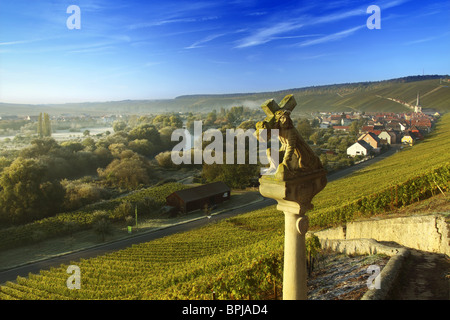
(425, 276)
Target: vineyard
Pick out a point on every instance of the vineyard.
(242, 257)
(401, 179)
(229, 257)
(152, 198)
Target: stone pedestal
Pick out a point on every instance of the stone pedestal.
(294, 199)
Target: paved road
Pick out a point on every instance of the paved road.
(11, 275)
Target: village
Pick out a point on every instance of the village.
(381, 129)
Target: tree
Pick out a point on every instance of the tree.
(231, 117)
(333, 142)
(315, 137)
(145, 131)
(27, 193)
(342, 146)
(211, 118)
(119, 126)
(234, 175)
(164, 160)
(73, 146)
(89, 144)
(141, 146)
(324, 159)
(237, 111)
(102, 225)
(4, 163)
(81, 194)
(304, 128)
(354, 128)
(249, 124)
(166, 138)
(40, 147)
(117, 149)
(123, 210)
(127, 172)
(315, 123)
(40, 131)
(46, 126)
(175, 121)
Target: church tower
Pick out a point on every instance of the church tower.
(418, 107)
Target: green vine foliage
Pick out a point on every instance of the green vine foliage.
(242, 257)
(395, 196)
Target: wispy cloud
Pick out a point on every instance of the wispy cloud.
(220, 62)
(163, 22)
(337, 16)
(426, 39)
(257, 13)
(159, 23)
(312, 57)
(18, 42)
(265, 35)
(279, 30)
(94, 49)
(199, 44)
(393, 3)
(276, 32)
(9, 43)
(331, 37)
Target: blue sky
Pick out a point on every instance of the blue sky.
(162, 49)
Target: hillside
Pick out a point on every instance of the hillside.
(241, 257)
(362, 96)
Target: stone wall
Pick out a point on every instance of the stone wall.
(425, 232)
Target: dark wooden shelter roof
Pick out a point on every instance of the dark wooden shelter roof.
(202, 192)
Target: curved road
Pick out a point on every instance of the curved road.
(35, 267)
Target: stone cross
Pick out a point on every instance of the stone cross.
(270, 107)
(298, 179)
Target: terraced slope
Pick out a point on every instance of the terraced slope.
(241, 257)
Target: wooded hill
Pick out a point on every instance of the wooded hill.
(370, 96)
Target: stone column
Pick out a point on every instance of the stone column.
(294, 199)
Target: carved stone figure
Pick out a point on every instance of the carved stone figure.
(295, 155)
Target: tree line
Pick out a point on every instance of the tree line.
(48, 177)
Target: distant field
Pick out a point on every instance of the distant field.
(63, 135)
(238, 258)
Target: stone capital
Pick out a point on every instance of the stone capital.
(294, 196)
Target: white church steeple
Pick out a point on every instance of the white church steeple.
(418, 107)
